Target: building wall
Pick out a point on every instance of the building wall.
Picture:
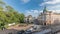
(55, 18)
(49, 18)
(28, 19)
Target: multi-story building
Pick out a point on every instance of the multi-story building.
(49, 17)
(29, 19)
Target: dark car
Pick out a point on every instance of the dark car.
(28, 32)
(20, 32)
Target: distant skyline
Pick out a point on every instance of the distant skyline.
(33, 7)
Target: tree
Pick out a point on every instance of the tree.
(9, 8)
(21, 18)
(9, 16)
(2, 3)
(1, 8)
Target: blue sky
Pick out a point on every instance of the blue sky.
(33, 7)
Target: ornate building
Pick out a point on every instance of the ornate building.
(49, 17)
(29, 19)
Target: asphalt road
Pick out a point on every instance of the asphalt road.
(11, 31)
(43, 32)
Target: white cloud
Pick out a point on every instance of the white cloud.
(33, 12)
(50, 2)
(36, 11)
(53, 2)
(55, 11)
(25, 1)
(58, 11)
(54, 7)
(41, 11)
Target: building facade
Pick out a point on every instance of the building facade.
(28, 19)
(49, 17)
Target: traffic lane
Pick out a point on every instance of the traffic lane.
(43, 32)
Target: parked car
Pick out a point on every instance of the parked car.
(20, 32)
(28, 32)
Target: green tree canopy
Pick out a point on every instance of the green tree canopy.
(10, 15)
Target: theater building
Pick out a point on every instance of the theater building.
(49, 17)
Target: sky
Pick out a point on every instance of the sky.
(34, 7)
